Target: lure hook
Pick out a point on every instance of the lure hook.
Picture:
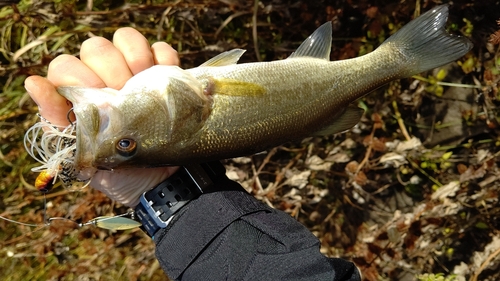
(68, 116)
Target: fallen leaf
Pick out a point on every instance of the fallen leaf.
(315, 163)
(408, 145)
(299, 180)
(393, 159)
(448, 190)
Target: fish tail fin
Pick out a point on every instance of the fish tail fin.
(425, 44)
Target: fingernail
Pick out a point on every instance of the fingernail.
(27, 86)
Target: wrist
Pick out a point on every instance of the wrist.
(157, 207)
(150, 183)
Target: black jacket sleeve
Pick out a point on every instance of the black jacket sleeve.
(229, 235)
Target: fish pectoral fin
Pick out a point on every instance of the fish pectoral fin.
(317, 45)
(344, 122)
(232, 87)
(226, 58)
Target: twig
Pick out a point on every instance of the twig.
(401, 123)
(370, 147)
(281, 175)
(197, 31)
(254, 29)
(484, 264)
(228, 20)
(416, 166)
(90, 4)
(384, 187)
(295, 211)
(418, 77)
(23, 181)
(416, 13)
(5, 161)
(256, 180)
(346, 198)
(163, 20)
(266, 160)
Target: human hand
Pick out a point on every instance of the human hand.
(104, 64)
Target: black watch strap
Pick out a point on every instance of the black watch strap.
(158, 205)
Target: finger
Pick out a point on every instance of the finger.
(126, 186)
(164, 54)
(66, 70)
(134, 48)
(51, 105)
(100, 55)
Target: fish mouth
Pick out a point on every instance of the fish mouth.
(88, 123)
(93, 149)
(85, 148)
(85, 114)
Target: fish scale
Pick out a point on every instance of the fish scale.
(166, 115)
(274, 125)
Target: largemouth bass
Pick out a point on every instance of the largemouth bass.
(166, 115)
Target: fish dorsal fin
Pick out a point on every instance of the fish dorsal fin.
(317, 45)
(226, 58)
(344, 122)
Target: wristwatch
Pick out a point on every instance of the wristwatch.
(158, 205)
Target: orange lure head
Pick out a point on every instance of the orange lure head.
(45, 181)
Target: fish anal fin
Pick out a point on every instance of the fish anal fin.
(226, 58)
(348, 119)
(317, 45)
(232, 87)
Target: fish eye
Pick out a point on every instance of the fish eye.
(126, 147)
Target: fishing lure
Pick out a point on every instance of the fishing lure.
(118, 222)
(54, 147)
(45, 181)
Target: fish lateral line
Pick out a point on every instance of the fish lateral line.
(222, 109)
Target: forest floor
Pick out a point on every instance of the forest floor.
(410, 193)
